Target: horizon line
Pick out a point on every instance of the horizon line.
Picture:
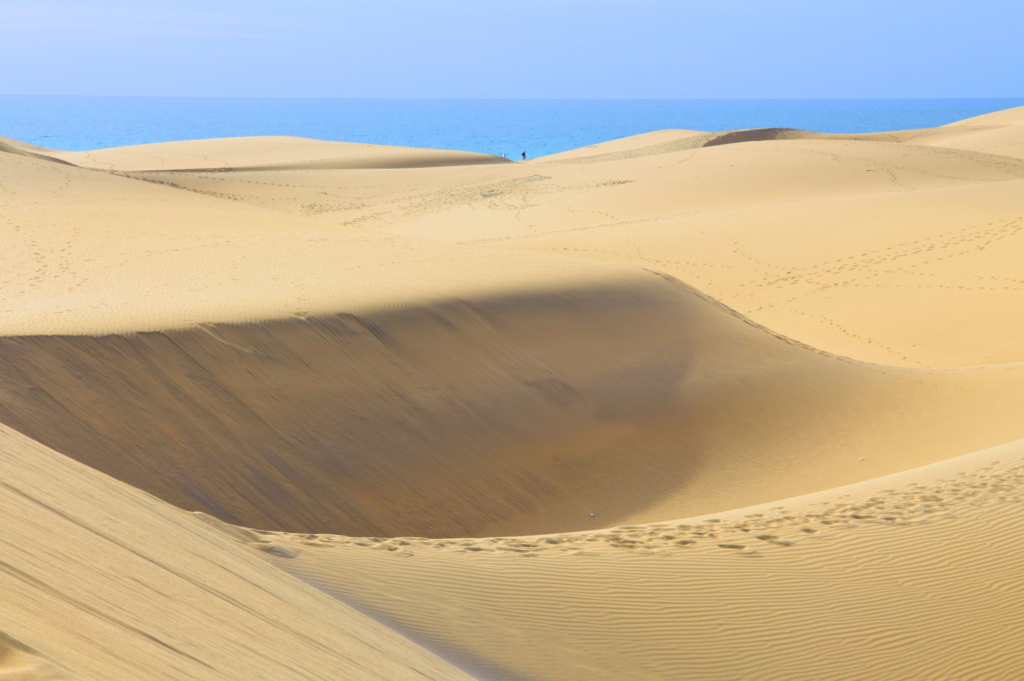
(527, 99)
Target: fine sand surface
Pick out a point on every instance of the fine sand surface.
(740, 405)
(254, 153)
(891, 252)
(910, 576)
(103, 581)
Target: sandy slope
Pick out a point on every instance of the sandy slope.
(888, 252)
(1000, 133)
(324, 338)
(336, 380)
(910, 576)
(254, 153)
(89, 252)
(513, 415)
(102, 581)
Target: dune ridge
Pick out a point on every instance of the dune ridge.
(356, 424)
(19, 662)
(241, 154)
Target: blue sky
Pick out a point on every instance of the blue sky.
(521, 49)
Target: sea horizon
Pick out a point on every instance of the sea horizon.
(494, 126)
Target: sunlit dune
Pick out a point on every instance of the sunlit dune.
(254, 153)
(682, 405)
(1000, 133)
(893, 253)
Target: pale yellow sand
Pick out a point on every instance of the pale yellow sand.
(910, 576)
(363, 369)
(891, 253)
(517, 414)
(1000, 133)
(254, 153)
(89, 252)
(101, 581)
(328, 338)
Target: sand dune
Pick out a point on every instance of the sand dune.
(910, 576)
(254, 153)
(313, 379)
(512, 415)
(717, 405)
(647, 144)
(1000, 133)
(102, 581)
(854, 247)
(668, 141)
(17, 148)
(93, 253)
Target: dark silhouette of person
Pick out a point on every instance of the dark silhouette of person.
(524, 155)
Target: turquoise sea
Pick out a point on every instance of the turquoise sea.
(537, 127)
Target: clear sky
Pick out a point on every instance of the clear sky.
(521, 49)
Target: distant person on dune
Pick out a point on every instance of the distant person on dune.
(524, 155)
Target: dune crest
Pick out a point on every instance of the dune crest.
(1001, 132)
(255, 153)
(18, 662)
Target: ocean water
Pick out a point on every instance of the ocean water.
(537, 127)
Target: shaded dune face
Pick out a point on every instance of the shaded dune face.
(512, 415)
